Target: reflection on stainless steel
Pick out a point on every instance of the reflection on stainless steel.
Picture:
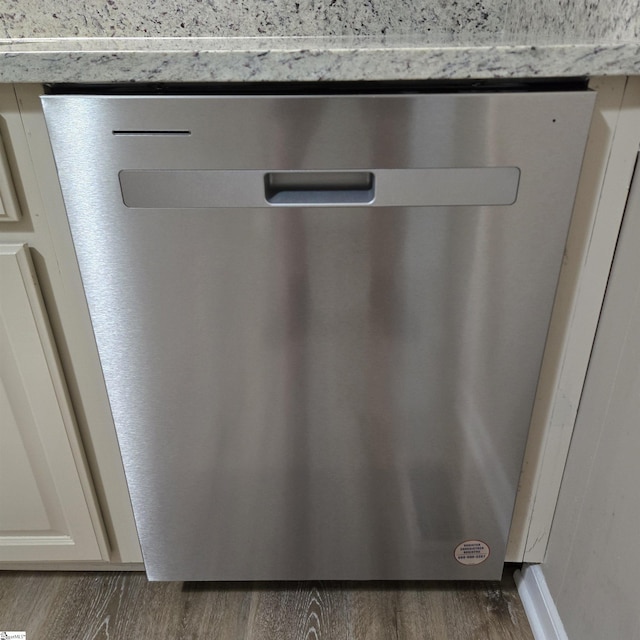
(326, 392)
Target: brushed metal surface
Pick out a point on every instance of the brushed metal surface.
(320, 393)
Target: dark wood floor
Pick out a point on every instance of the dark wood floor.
(124, 606)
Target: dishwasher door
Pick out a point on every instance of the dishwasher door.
(321, 318)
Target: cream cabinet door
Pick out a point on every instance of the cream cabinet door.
(47, 508)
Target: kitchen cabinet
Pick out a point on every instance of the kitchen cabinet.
(62, 492)
(45, 496)
(608, 166)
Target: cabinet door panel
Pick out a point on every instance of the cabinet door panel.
(47, 507)
(9, 208)
(22, 506)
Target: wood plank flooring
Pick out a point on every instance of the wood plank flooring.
(124, 606)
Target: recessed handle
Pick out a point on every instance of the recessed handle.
(436, 187)
(319, 187)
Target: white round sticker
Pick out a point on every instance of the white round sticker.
(471, 552)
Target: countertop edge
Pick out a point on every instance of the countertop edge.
(299, 59)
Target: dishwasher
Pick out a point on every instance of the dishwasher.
(320, 314)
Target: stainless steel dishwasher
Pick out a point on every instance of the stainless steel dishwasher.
(321, 318)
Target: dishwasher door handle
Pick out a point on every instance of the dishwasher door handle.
(205, 189)
(319, 187)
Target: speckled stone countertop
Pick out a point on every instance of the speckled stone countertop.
(295, 40)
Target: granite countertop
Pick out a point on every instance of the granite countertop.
(298, 40)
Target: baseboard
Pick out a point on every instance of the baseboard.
(539, 606)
